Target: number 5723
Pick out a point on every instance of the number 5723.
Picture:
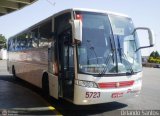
(92, 94)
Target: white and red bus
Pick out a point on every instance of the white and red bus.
(82, 55)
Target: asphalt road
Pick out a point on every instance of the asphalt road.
(20, 98)
(149, 98)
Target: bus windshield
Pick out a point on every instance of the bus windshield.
(108, 45)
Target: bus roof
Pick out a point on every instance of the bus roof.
(73, 9)
(100, 11)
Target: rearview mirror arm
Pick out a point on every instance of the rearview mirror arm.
(143, 47)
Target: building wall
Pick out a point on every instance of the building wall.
(3, 54)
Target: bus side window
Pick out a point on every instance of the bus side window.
(45, 34)
(9, 48)
(16, 44)
(28, 40)
(21, 42)
(13, 44)
(35, 38)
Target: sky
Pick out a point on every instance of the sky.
(144, 13)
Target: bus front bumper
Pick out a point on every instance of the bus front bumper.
(88, 96)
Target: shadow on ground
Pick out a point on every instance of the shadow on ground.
(64, 107)
(17, 98)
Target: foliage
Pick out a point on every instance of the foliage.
(154, 60)
(2, 41)
(155, 54)
(152, 54)
(154, 57)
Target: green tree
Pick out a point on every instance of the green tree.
(156, 54)
(154, 57)
(152, 54)
(2, 41)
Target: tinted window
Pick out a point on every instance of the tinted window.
(35, 37)
(45, 34)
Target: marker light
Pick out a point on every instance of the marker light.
(79, 17)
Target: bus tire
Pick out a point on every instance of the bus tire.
(45, 84)
(14, 72)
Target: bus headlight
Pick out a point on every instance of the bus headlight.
(83, 83)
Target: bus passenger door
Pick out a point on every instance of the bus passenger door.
(66, 62)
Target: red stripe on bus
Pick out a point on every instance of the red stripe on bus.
(115, 84)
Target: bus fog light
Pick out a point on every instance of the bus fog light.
(85, 101)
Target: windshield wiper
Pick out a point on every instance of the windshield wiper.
(109, 56)
(119, 49)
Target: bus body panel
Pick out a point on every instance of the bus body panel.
(29, 65)
(53, 85)
(106, 95)
(86, 96)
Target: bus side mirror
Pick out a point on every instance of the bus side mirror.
(150, 36)
(76, 30)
